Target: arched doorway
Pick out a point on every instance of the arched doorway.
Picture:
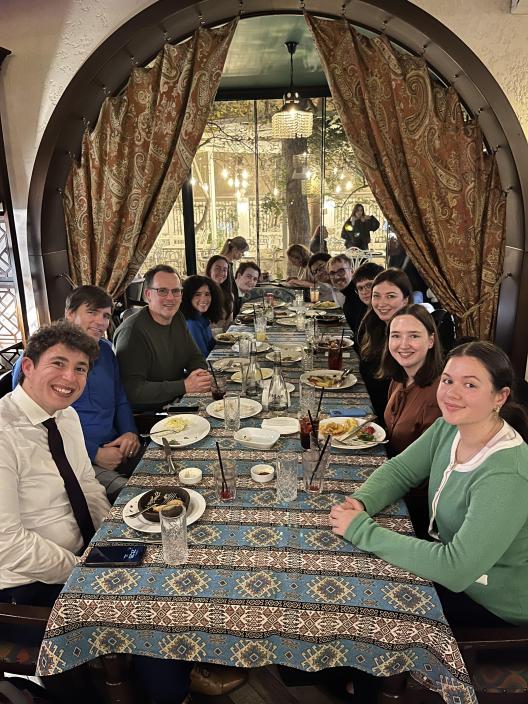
(136, 42)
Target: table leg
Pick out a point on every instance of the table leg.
(118, 686)
(392, 689)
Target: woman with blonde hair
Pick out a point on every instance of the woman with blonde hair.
(299, 256)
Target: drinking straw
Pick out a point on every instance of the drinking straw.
(320, 401)
(341, 341)
(212, 372)
(320, 458)
(224, 483)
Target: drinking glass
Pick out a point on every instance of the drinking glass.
(299, 299)
(308, 399)
(260, 327)
(286, 479)
(300, 319)
(314, 480)
(218, 387)
(244, 347)
(335, 356)
(173, 521)
(314, 295)
(232, 411)
(312, 332)
(225, 482)
(307, 360)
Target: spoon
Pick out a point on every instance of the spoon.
(157, 502)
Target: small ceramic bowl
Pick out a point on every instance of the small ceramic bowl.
(262, 473)
(190, 475)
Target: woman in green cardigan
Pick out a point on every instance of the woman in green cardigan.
(476, 461)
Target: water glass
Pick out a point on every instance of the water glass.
(286, 479)
(314, 470)
(225, 480)
(300, 319)
(173, 521)
(307, 360)
(308, 399)
(244, 347)
(312, 332)
(260, 326)
(232, 411)
(299, 299)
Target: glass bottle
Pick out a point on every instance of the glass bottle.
(270, 313)
(253, 375)
(278, 392)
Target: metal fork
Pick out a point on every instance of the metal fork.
(168, 456)
(352, 433)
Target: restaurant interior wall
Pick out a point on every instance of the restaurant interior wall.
(69, 32)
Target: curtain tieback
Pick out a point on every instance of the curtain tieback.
(485, 297)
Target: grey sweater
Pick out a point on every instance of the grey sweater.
(153, 359)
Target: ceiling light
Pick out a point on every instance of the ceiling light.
(291, 122)
(193, 181)
(225, 173)
(230, 182)
(245, 174)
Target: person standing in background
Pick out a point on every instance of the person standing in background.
(233, 250)
(356, 230)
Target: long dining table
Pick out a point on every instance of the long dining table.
(266, 583)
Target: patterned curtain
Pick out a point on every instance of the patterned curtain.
(425, 164)
(135, 161)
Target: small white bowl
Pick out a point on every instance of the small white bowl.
(257, 438)
(190, 475)
(262, 473)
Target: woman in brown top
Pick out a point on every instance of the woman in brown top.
(412, 359)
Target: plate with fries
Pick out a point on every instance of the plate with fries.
(328, 379)
(370, 435)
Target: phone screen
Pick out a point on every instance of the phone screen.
(115, 556)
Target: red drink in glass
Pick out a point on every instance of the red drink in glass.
(335, 356)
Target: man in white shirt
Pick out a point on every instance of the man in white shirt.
(246, 279)
(40, 536)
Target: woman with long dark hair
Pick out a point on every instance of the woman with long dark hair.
(201, 305)
(412, 361)
(217, 269)
(356, 230)
(475, 459)
(391, 291)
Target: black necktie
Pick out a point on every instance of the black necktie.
(71, 483)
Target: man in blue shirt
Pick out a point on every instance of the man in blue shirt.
(106, 418)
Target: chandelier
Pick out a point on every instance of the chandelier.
(291, 122)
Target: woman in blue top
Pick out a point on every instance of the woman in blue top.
(201, 305)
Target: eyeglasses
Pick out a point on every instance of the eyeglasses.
(364, 287)
(339, 272)
(164, 292)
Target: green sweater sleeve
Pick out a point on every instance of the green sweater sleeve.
(133, 351)
(395, 477)
(496, 513)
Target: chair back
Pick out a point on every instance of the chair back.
(446, 326)
(6, 383)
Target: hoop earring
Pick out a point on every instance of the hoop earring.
(497, 410)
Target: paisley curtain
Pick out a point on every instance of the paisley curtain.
(426, 164)
(136, 159)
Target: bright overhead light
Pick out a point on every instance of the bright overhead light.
(308, 173)
(237, 182)
(275, 192)
(245, 174)
(291, 122)
(230, 182)
(205, 186)
(244, 184)
(193, 181)
(348, 185)
(338, 189)
(225, 173)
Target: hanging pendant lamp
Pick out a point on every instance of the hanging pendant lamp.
(291, 122)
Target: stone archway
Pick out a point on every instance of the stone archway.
(138, 40)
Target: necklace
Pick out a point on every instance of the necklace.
(498, 425)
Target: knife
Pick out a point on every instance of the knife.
(144, 541)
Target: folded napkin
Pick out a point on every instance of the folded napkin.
(350, 412)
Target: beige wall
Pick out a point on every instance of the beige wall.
(50, 39)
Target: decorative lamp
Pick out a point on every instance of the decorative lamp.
(291, 122)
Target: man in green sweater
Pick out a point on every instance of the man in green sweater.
(155, 349)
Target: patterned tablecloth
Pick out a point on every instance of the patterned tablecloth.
(266, 583)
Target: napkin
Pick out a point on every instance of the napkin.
(350, 412)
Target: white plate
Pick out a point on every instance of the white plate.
(229, 364)
(349, 380)
(257, 438)
(248, 408)
(258, 304)
(379, 436)
(196, 429)
(314, 313)
(284, 314)
(265, 373)
(195, 511)
(261, 347)
(293, 354)
(285, 425)
(347, 341)
(231, 336)
(289, 387)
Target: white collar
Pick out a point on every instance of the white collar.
(503, 439)
(35, 414)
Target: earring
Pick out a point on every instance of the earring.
(497, 410)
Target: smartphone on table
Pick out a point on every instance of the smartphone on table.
(115, 556)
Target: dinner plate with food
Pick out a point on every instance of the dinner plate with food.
(328, 379)
(329, 319)
(324, 305)
(260, 347)
(370, 435)
(229, 364)
(181, 429)
(228, 338)
(262, 374)
(287, 322)
(146, 522)
(289, 355)
(330, 340)
(248, 408)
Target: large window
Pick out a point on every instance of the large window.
(272, 192)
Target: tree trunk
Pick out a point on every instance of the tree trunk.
(296, 202)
